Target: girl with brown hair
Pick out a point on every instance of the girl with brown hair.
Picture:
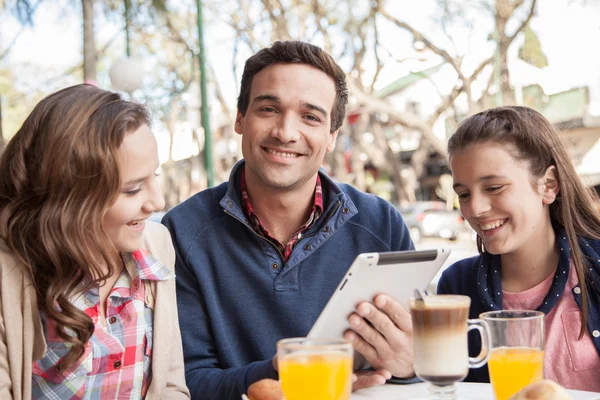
(87, 302)
(538, 237)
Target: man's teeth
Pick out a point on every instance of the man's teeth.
(280, 154)
(492, 225)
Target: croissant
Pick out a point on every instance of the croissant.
(542, 390)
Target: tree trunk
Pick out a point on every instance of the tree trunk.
(89, 43)
(2, 143)
(504, 10)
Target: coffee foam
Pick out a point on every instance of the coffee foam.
(441, 302)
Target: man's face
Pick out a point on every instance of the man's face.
(286, 129)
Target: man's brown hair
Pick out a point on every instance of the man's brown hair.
(300, 53)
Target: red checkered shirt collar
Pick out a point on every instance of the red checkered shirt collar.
(286, 250)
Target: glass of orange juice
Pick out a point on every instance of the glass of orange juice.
(316, 369)
(517, 350)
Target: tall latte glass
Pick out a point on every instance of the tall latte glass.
(316, 369)
(440, 327)
(516, 350)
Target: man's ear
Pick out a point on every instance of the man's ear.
(332, 141)
(551, 185)
(239, 120)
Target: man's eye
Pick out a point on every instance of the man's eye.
(267, 109)
(312, 118)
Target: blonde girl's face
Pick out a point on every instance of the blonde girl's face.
(502, 202)
(140, 195)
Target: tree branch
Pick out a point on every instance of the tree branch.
(524, 24)
(373, 105)
(420, 37)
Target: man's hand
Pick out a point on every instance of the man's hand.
(387, 342)
(366, 379)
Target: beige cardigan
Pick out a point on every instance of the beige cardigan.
(22, 338)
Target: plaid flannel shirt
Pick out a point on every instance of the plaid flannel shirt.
(117, 359)
(286, 250)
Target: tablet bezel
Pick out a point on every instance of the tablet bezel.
(379, 267)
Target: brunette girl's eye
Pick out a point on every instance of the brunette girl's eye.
(493, 189)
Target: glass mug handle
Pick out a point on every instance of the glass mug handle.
(486, 339)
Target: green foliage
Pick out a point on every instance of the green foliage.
(531, 51)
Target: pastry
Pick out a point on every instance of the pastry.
(265, 389)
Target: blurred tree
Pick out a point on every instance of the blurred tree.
(166, 35)
(2, 141)
(12, 113)
(89, 42)
(22, 9)
(349, 30)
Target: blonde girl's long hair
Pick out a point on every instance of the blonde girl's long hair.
(58, 177)
(537, 142)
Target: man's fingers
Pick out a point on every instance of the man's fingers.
(361, 346)
(367, 332)
(395, 312)
(366, 379)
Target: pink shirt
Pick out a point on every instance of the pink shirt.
(569, 361)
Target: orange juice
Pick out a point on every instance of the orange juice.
(513, 368)
(323, 376)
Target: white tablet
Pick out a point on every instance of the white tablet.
(396, 274)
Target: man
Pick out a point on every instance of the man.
(259, 257)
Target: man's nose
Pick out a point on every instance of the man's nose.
(286, 129)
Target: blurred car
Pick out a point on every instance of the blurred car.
(432, 219)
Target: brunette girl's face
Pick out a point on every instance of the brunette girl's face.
(500, 199)
(140, 195)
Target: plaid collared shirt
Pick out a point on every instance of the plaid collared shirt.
(117, 359)
(286, 250)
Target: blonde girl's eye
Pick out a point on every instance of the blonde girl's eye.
(133, 192)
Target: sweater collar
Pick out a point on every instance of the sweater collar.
(232, 201)
(489, 274)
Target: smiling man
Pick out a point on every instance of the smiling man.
(258, 257)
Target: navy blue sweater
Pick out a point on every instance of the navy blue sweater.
(236, 297)
(480, 278)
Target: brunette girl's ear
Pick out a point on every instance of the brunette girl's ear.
(551, 185)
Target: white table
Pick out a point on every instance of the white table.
(470, 391)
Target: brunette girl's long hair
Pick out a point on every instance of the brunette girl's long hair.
(537, 142)
(58, 176)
